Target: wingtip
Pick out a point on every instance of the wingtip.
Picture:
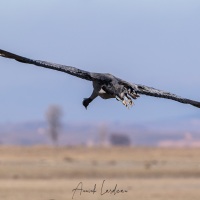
(194, 103)
(2, 54)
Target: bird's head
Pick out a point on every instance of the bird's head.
(86, 102)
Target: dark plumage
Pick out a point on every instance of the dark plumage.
(105, 85)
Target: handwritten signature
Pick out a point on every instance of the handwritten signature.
(113, 191)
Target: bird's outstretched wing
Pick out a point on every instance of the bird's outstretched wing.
(145, 90)
(106, 80)
(63, 68)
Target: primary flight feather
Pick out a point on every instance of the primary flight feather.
(105, 85)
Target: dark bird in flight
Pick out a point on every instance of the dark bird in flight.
(105, 85)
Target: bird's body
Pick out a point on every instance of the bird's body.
(102, 93)
(105, 85)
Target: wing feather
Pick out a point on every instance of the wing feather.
(150, 91)
(63, 68)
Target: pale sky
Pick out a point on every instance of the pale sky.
(151, 42)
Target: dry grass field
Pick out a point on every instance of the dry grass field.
(45, 173)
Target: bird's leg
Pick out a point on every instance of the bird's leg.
(129, 102)
(87, 101)
(133, 94)
(121, 100)
(119, 95)
(124, 99)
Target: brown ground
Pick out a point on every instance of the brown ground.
(44, 173)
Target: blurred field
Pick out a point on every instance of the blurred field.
(51, 173)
